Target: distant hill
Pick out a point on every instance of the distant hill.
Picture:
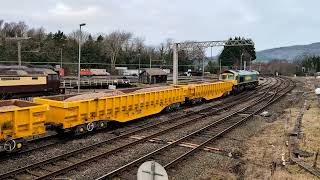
(288, 53)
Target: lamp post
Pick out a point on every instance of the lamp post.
(80, 39)
(241, 60)
(60, 57)
(139, 58)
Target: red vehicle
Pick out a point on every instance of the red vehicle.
(85, 72)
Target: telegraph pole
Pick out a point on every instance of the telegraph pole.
(18, 39)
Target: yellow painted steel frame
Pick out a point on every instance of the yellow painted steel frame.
(22, 122)
(208, 91)
(117, 108)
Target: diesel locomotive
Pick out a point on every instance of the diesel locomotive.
(241, 79)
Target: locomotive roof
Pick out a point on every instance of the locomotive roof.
(24, 71)
(242, 72)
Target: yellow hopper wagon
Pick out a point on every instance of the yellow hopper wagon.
(208, 91)
(20, 120)
(85, 115)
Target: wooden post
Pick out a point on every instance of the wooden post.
(316, 159)
(286, 125)
(290, 116)
(273, 167)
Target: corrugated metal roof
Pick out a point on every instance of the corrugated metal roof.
(154, 71)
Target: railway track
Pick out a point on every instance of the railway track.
(54, 139)
(49, 168)
(211, 132)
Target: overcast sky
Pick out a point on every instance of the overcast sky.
(271, 23)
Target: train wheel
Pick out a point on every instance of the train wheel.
(80, 130)
(90, 126)
(20, 144)
(9, 145)
(102, 124)
(169, 108)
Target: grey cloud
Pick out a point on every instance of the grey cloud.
(270, 23)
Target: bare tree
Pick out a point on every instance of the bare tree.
(113, 43)
(76, 34)
(40, 32)
(1, 32)
(1, 29)
(21, 29)
(196, 53)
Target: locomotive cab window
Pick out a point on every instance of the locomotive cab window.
(241, 79)
(224, 77)
(53, 77)
(231, 77)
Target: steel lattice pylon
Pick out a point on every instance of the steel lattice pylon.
(203, 44)
(206, 44)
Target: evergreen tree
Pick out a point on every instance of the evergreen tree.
(231, 55)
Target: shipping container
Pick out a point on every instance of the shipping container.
(85, 72)
(19, 120)
(99, 72)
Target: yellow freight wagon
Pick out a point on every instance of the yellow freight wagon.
(19, 120)
(208, 91)
(86, 115)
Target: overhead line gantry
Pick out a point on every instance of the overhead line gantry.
(203, 44)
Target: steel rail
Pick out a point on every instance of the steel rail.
(113, 173)
(83, 162)
(180, 158)
(5, 156)
(109, 140)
